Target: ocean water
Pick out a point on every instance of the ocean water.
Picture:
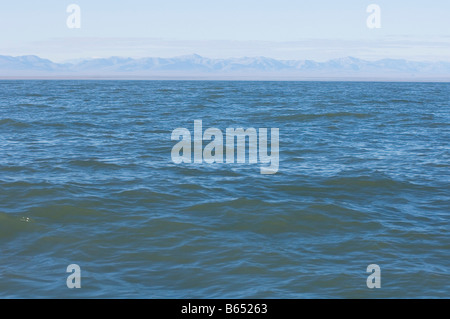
(86, 178)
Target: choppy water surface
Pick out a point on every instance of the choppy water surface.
(86, 177)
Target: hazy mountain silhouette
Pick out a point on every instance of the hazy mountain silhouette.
(195, 65)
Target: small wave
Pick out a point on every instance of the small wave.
(34, 95)
(367, 182)
(305, 117)
(13, 123)
(78, 211)
(50, 124)
(33, 105)
(145, 194)
(23, 184)
(93, 163)
(405, 101)
(13, 225)
(82, 124)
(17, 168)
(215, 96)
(234, 204)
(156, 131)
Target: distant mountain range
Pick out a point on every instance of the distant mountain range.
(198, 67)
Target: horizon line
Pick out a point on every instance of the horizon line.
(227, 79)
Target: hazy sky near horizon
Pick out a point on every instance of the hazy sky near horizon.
(282, 29)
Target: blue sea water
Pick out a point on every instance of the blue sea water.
(86, 177)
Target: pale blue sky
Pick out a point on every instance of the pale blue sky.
(283, 29)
